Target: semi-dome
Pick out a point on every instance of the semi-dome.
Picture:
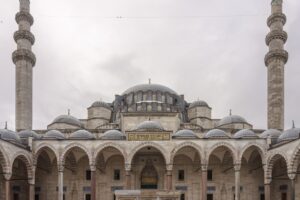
(198, 103)
(68, 119)
(100, 104)
(290, 134)
(82, 135)
(113, 135)
(54, 134)
(273, 133)
(245, 133)
(149, 87)
(184, 134)
(232, 119)
(9, 136)
(150, 125)
(28, 133)
(216, 133)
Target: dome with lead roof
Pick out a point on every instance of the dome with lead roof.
(273, 133)
(198, 103)
(28, 133)
(216, 133)
(113, 135)
(244, 134)
(82, 135)
(232, 119)
(54, 134)
(9, 136)
(149, 125)
(149, 87)
(100, 104)
(68, 119)
(290, 134)
(184, 134)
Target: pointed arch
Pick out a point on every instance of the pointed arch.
(295, 160)
(27, 161)
(42, 147)
(190, 144)
(102, 147)
(160, 148)
(259, 148)
(4, 161)
(69, 147)
(272, 160)
(230, 147)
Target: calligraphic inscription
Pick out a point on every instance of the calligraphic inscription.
(148, 136)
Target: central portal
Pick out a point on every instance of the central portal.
(149, 176)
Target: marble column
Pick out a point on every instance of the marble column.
(93, 182)
(31, 191)
(60, 182)
(169, 180)
(292, 177)
(267, 191)
(128, 179)
(7, 190)
(204, 181)
(7, 177)
(237, 169)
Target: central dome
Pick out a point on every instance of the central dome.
(149, 87)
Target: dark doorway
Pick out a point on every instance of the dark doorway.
(262, 197)
(283, 196)
(210, 197)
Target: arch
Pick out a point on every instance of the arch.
(101, 147)
(4, 161)
(259, 148)
(41, 148)
(160, 148)
(223, 144)
(27, 161)
(187, 144)
(69, 147)
(294, 160)
(271, 160)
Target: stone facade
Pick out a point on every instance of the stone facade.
(149, 143)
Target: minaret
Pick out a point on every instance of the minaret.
(24, 60)
(275, 60)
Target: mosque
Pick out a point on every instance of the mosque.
(150, 143)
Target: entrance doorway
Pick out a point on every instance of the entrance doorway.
(149, 176)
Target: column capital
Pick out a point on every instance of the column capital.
(31, 181)
(204, 167)
(7, 176)
(93, 167)
(237, 167)
(127, 167)
(60, 167)
(292, 175)
(169, 167)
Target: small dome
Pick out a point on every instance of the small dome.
(54, 134)
(288, 135)
(149, 87)
(100, 104)
(150, 125)
(232, 119)
(198, 103)
(245, 133)
(185, 134)
(113, 135)
(28, 133)
(82, 135)
(9, 136)
(216, 133)
(68, 119)
(273, 133)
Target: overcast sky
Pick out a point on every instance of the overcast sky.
(93, 49)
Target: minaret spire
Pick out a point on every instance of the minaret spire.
(24, 60)
(275, 60)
